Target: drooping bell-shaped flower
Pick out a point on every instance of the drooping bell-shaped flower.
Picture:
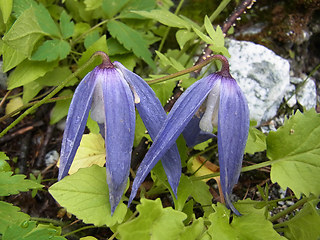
(226, 108)
(111, 92)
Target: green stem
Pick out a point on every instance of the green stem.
(78, 230)
(50, 95)
(219, 9)
(290, 209)
(164, 38)
(55, 222)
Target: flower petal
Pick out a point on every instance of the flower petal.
(119, 132)
(153, 117)
(76, 121)
(178, 118)
(233, 127)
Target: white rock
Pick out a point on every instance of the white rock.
(262, 75)
(290, 95)
(307, 94)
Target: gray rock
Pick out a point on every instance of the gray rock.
(307, 94)
(290, 95)
(3, 77)
(262, 75)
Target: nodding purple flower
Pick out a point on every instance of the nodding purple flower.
(225, 108)
(111, 92)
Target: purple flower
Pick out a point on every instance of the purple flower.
(225, 108)
(111, 92)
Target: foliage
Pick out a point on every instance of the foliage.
(45, 42)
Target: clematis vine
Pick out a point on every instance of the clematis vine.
(111, 92)
(225, 107)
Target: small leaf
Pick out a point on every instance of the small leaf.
(66, 25)
(153, 220)
(165, 17)
(296, 147)
(60, 110)
(15, 184)
(146, 5)
(112, 7)
(6, 8)
(4, 165)
(131, 39)
(10, 215)
(164, 90)
(193, 231)
(183, 36)
(52, 50)
(30, 90)
(115, 47)
(256, 141)
(91, 38)
(28, 71)
(92, 4)
(86, 195)
(204, 37)
(209, 28)
(14, 104)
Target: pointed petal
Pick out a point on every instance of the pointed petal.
(233, 127)
(193, 134)
(178, 118)
(76, 121)
(153, 117)
(119, 132)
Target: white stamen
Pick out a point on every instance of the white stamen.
(210, 116)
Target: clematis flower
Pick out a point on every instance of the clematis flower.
(111, 92)
(225, 108)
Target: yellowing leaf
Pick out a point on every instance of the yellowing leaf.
(14, 104)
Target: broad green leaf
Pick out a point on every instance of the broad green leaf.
(256, 141)
(115, 47)
(137, 5)
(11, 57)
(28, 71)
(252, 225)
(296, 149)
(112, 7)
(193, 231)
(19, 6)
(28, 230)
(46, 22)
(80, 28)
(153, 220)
(24, 33)
(128, 60)
(60, 110)
(92, 125)
(4, 165)
(13, 184)
(14, 104)
(100, 45)
(91, 38)
(164, 90)
(56, 77)
(91, 151)
(92, 4)
(30, 90)
(304, 225)
(10, 215)
(6, 8)
(66, 25)
(86, 195)
(131, 39)
(52, 50)
(183, 36)
(165, 17)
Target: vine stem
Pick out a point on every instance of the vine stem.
(78, 230)
(38, 219)
(42, 101)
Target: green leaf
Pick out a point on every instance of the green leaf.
(91, 38)
(193, 231)
(30, 90)
(24, 33)
(11, 57)
(6, 8)
(60, 110)
(204, 37)
(256, 141)
(112, 7)
(14, 104)
(15, 184)
(4, 165)
(146, 5)
(86, 195)
(140, 130)
(52, 50)
(29, 231)
(165, 17)
(92, 125)
(10, 215)
(92, 4)
(305, 225)
(131, 39)
(115, 47)
(66, 25)
(209, 28)
(296, 149)
(56, 77)
(183, 36)
(46, 22)
(28, 71)
(251, 225)
(153, 220)
(164, 90)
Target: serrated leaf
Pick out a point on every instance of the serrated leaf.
(193, 231)
(24, 33)
(131, 39)
(256, 141)
(86, 195)
(10, 215)
(304, 225)
(29, 231)
(28, 71)
(296, 149)
(209, 28)
(183, 36)
(251, 225)
(60, 110)
(6, 8)
(52, 50)
(165, 17)
(112, 7)
(13, 184)
(66, 25)
(91, 151)
(153, 220)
